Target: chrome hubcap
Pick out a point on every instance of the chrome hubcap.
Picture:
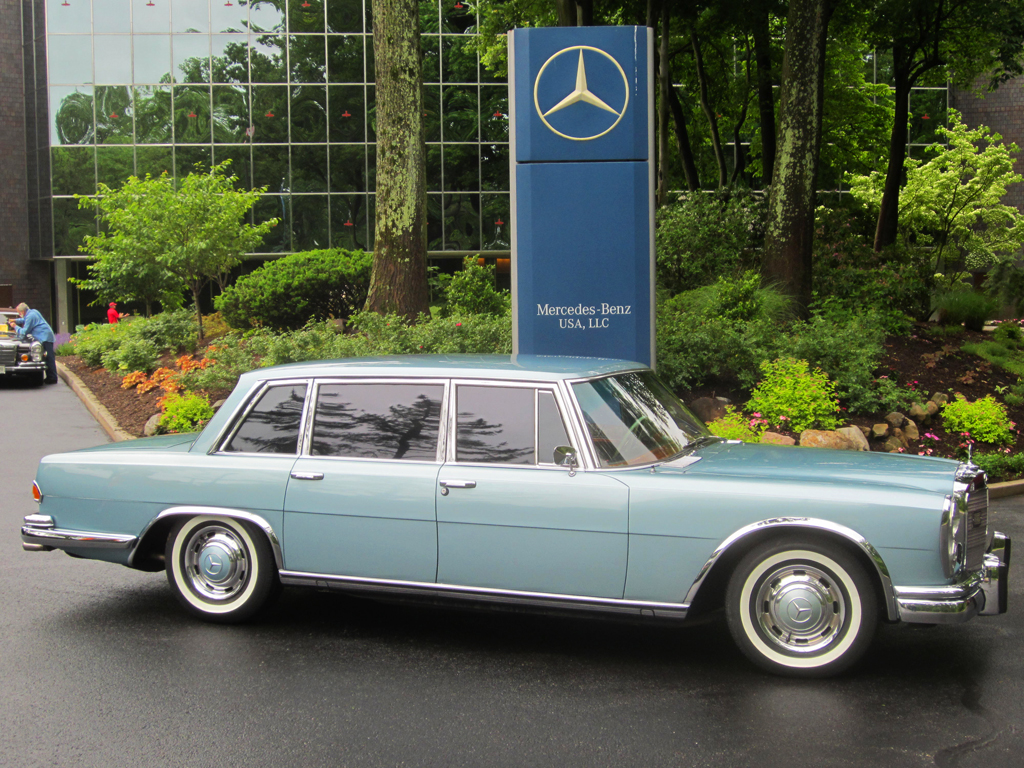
(800, 608)
(216, 563)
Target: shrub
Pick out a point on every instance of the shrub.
(734, 426)
(1000, 466)
(705, 235)
(185, 413)
(472, 291)
(965, 306)
(65, 349)
(793, 396)
(132, 355)
(286, 293)
(984, 420)
(172, 330)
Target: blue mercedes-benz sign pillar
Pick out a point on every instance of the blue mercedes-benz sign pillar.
(582, 191)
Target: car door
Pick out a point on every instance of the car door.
(507, 517)
(360, 500)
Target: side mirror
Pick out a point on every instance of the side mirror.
(565, 456)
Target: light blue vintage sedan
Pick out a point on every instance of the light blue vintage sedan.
(553, 483)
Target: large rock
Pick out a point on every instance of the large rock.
(932, 407)
(895, 419)
(893, 445)
(216, 406)
(774, 438)
(855, 436)
(919, 414)
(940, 398)
(902, 437)
(911, 431)
(151, 426)
(880, 430)
(820, 438)
(707, 409)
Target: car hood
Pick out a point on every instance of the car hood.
(159, 443)
(822, 465)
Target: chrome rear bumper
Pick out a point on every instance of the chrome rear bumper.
(981, 593)
(39, 535)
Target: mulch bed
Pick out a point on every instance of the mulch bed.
(129, 408)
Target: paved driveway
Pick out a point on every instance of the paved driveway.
(99, 667)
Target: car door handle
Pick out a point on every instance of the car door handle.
(446, 484)
(308, 475)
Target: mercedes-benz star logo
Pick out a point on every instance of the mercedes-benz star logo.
(581, 94)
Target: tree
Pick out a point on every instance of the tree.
(172, 239)
(399, 281)
(790, 230)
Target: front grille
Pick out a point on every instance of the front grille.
(8, 354)
(977, 527)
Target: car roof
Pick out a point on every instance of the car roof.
(524, 367)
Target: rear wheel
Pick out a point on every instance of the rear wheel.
(219, 568)
(803, 609)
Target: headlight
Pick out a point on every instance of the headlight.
(953, 532)
(37, 351)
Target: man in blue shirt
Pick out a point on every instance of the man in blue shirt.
(30, 322)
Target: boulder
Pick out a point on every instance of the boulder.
(895, 419)
(774, 438)
(932, 408)
(892, 445)
(820, 438)
(708, 409)
(919, 413)
(911, 431)
(902, 437)
(151, 426)
(855, 436)
(880, 430)
(216, 406)
(940, 398)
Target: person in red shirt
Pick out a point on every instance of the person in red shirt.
(112, 314)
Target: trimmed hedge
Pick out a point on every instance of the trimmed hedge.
(287, 293)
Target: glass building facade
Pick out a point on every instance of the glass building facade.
(284, 89)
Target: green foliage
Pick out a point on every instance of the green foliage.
(185, 413)
(705, 235)
(230, 358)
(794, 397)
(1007, 356)
(1009, 334)
(734, 426)
(174, 330)
(64, 350)
(1000, 466)
(95, 340)
(984, 420)
(472, 291)
(133, 354)
(969, 307)
(289, 292)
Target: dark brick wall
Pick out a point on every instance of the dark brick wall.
(1001, 110)
(30, 277)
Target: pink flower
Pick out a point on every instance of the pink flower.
(457, 325)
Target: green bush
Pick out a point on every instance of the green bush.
(734, 426)
(174, 330)
(287, 293)
(705, 235)
(965, 306)
(65, 349)
(472, 291)
(95, 340)
(185, 413)
(132, 355)
(230, 358)
(984, 420)
(794, 397)
(1000, 466)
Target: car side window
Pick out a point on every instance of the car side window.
(377, 421)
(272, 426)
(507, 425)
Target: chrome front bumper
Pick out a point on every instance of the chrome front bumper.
(981, 593)
(39, 535)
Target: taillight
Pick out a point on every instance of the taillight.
(36, 493)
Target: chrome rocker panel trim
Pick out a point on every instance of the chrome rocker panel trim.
(980, 593)
(639, 608)
(39, 535)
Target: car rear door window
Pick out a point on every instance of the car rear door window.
(550, 429)
(377, 421)
(272, 425)
(507, 425)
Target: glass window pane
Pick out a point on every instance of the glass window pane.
(229, 16)
(266, 16)
(457, 17)
(306, 15)
(434, 176)
(267, 58)
(111, 16)
(309, 113)
(153, 115)
(345, 58)
(69, 59)
(71, 117)
(191, 159)
(270, 168)
(309, 222)
(494, 167)
(309, 170)
(152, 58)
(461, 167)
(270, 113)
(461, 113)
(231, 114)
(189, 15)
(345, 16)
(432, 113)
(308, 57)
(494, 113)
(927, 112)
(348, 168)
(73, 170)
(113, 59)
(192, 114)
(495, 425)
(279, 239)
(350, 215)
(114, 165)
(114, 114)
(70, 225)
(378, 421)
(431, 58)
(230, 62)
(459, 59)
(72, 17)
(272, 426)
(346, 113)
(550, 429)
(149, 16)
(191, 59)
(153, 160)
(241, 162)
(496, 223)
(461, 223)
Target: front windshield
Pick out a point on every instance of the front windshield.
(634, 419)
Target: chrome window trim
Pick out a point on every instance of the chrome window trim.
(253, 398)
(306, 446)
(235, 418)
(548, 386)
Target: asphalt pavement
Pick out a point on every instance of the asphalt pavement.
(100, 667)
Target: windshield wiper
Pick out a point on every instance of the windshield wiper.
(700, 442)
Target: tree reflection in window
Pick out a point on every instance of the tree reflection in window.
(377, 421)
(496, 425)
(272, 426)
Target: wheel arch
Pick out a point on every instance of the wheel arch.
(148, 554)
(708, 589)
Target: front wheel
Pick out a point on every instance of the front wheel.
(805, 609)
(219, 568)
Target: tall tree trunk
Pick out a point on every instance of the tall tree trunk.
(566, 10)
(664, 85)
(765, 94)
(683, 142)
(709, 113)
(888, 212)
(399, 280)
(196, 290)
(790, 230)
